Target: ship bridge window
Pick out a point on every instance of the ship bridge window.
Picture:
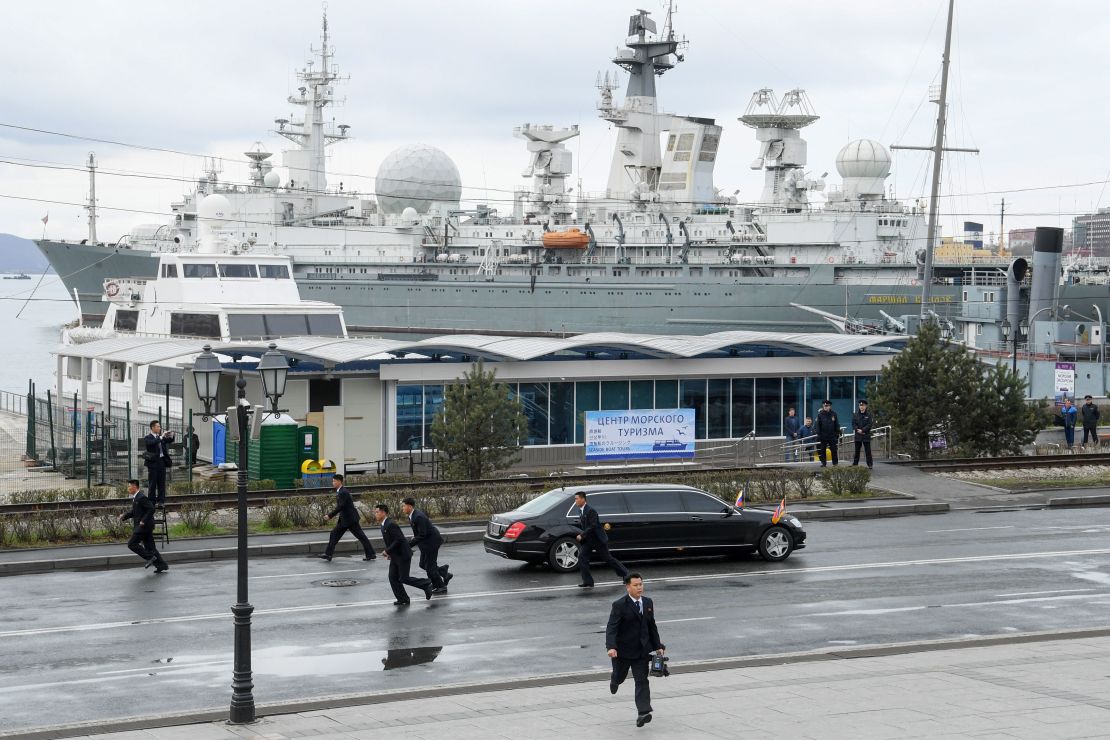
(324, 325)
(195, 324)
(274, 272)
(169, 271)
(246, 325)
(286, 325)
(199, 271)
(159, 380)
(238, 271)
(127, 320)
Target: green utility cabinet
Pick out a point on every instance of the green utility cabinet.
(276, 455)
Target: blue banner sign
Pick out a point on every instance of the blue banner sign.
(648, 433)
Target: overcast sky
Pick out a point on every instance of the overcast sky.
(1027, 87)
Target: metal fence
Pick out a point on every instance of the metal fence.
(51, 443)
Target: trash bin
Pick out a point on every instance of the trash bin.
(317, 473)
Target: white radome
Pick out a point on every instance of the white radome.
(416, 176)
(863, 158)
(214, 210)
(272, 179)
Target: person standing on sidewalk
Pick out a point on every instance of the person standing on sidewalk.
(631, 636)
(427, 538)
(827, 427)
(156, 457)
(1070, 413)
(862, 422)
(348, 520)
(1090, 415)
(593, 539)
(791, 429)
(805, 433)
(399, 555)
(142, 528)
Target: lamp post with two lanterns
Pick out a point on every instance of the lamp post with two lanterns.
(273, 369)
(1019, 333)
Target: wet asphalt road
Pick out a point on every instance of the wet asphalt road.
(99, 645)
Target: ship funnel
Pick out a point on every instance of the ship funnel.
(1015, 273)
(1048, 244)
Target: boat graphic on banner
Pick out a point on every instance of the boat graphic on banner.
(647, 433)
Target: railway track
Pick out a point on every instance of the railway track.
(263, 498)
(953, 465)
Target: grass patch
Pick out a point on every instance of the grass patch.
(1026, 484)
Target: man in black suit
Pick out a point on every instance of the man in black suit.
(426, 537)
(399, 555)
(348, 520)
(142, 531)
(593, 539)
(156, 457)
(631, 637)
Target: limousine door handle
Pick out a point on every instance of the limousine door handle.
(696, 519)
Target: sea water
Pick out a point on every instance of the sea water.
(31, 329)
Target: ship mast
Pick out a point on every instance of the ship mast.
(91, 207)
(938, 150)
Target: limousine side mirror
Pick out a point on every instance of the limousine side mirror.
(729, 511)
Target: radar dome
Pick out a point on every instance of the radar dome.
(272, 179)
(863, 158)
(410, 214)
(417, 176)
(214, 209)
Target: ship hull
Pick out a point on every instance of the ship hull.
(83, 268)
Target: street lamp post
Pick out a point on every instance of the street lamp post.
(273, 368)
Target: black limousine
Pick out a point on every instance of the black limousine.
(642, 521)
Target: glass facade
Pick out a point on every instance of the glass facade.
(724, 408)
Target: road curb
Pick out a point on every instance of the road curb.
(128, 560)
(870, 512)
(1061, 501)
(556, 679)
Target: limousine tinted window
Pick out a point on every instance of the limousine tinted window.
(603, 503)
(648, 502)
(699, 503)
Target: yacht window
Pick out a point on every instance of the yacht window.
(158, 379)
(238, 271)
(199, 271)
(127, 320)
(274, 272)
(324, 325)
(286, 325)
(195, 324)
(169, 271)
(246, 326)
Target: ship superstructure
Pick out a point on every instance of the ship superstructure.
(660, 249)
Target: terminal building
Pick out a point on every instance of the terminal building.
(373, 399)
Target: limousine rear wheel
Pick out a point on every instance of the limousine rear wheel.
(775, 544)
(563, 555)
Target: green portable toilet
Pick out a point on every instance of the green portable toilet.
(275, 455)
(309, 437)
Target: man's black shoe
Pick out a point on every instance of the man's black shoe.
(427, 592)
(150, 562)
(643, 719)
(613, 687)
(440, 590)
(401, 603)
(585, 585)
(374, 557)
(162, 568)
(324, 557)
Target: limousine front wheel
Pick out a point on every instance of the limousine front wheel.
(563, 555)
(775, 544)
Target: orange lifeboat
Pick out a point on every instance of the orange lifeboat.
(569, 239)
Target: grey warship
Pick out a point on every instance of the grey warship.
(660, 250)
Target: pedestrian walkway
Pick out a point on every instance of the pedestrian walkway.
(1043, 689)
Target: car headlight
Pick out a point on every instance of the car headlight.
(795, 522)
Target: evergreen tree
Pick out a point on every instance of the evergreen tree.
(936, 386)
(480, 426)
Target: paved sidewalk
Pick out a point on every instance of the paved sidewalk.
(1044, 689)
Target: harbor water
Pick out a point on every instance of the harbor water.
(31, 329)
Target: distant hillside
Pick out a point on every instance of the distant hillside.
(20, 255)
